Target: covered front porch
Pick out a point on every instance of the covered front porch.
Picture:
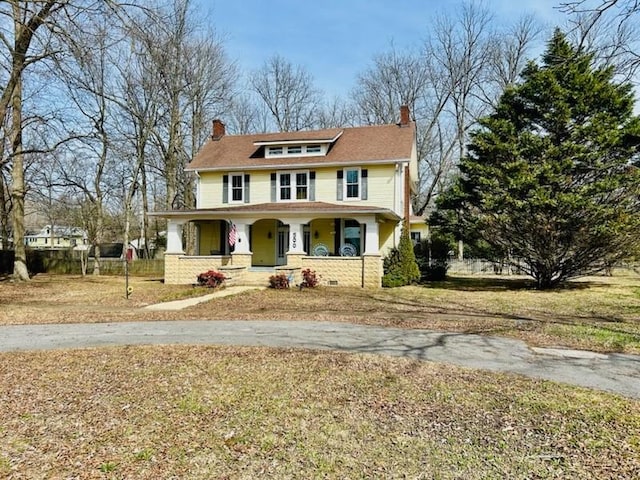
(343, 246)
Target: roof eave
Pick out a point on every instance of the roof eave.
(219, 214)
(288, 166)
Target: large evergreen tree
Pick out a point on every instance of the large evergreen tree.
(550, 175)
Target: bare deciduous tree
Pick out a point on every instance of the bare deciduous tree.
(462, 69)
(335, 113)
(609, 28)
(36, 32)
(394, 79)
(90, 89)
(288, 92)
(27, 18)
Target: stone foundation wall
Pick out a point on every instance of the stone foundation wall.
(337, 271)
(363, 271)
(372, 271)
(183, 270)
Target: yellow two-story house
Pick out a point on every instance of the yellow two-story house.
(330, 200)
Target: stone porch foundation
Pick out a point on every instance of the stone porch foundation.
(365, 271)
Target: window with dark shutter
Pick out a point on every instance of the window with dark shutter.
(247, 178)
(364, 187)
(274, 187)
(312, 186)
(225, 189)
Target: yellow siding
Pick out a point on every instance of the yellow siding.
(387, 237)
(421, 227)
(263, 247)
(324, 227)
(381, 187)
(211, 189)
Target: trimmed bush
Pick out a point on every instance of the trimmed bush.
(279, 281)
(309, 279)
(211, 279)
(392, 280)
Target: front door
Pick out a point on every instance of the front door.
(282, 245)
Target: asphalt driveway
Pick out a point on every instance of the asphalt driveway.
(613, 372)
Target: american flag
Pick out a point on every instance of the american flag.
(232, 234)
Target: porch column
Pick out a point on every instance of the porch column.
(242, 238)
(174, 236)
(372, 238)
(296, 239)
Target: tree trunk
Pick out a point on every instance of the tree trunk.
(145, 210)
(127, 228)
(20, 272)
(5, 217)
(96, 250)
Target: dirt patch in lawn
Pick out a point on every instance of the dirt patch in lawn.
(596, 313)
(217, 412)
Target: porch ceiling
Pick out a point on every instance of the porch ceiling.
(268, 210)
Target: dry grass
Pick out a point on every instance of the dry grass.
(597, 313)
(213, 412)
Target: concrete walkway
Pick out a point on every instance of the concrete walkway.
(189, 302)
(614, 373)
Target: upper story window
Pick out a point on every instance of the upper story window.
(237, 187)
(296, 150)
(293, 186)
(352, 183)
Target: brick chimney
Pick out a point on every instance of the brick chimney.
(404, 115)
(218, 130)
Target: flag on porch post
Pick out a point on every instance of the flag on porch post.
(233, 233)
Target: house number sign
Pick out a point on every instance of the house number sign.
(294, 240)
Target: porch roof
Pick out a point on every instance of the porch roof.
(282, 209)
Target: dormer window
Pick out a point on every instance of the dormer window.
(296, 150)
(298, 144)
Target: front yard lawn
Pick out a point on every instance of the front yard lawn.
(596, 313)
(218, 412)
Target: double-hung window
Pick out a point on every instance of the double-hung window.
(293, 186)
(302, 186)
(237, 187)
(352, 183)
(285, 186)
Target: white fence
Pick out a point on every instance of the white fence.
(471, 266)
(478, 266)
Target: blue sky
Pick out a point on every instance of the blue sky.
(335, 40)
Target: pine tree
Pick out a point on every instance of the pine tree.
(400, 266)
(550, 177)
(409, 266)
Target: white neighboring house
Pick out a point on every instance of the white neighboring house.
(60, 237)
